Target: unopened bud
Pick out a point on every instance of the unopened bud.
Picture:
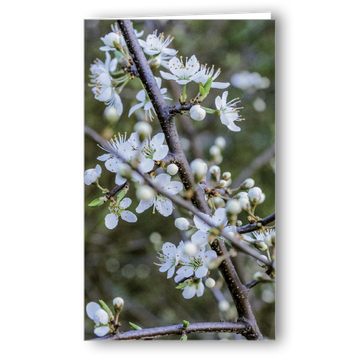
(214, 150)
(190, 248)
(224, 305)
(197, 113)
(182, 224)
(270, 239)
(111, 40)
(118, 303)
(238, 223)
(242, 194)
(245, 203)
(111, 114)
(233, 207)
(220, 142)
(258, 276)
(262, 199)
(210, 282)
(260, 245)
(144, 130)
(222, 183)
(199, 168)
(172, 169)
(255, 195)
(219, 202)
(226, 176)
(215, 172)
(145, 192)
(247, 184)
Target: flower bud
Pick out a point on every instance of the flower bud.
(182, 224)
(218, 159)
(172, 169)
(260, 245)
(199, 168)
(261, 263)
(242, 194)
(118, 303)
(190, 248)
(219, 202)
(224, 305)
(262, 199)
(155, 62)
(144, 130)
(210, 282)
(197, 113)
(258, 276)
(214, 150)
(111, 114)
(247, 184)
(220, 142)
(233, 207)
(91, 175)
(255, 195)
(215, 172)
(222, 183)
(238, 223)
(145, 192)
(226, 176)
(111, 38)
(270, 239)
(245, 203)
(101, 317)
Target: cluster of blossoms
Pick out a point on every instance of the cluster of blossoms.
(109, 78)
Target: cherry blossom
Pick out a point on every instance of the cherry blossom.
(157, 44)
(228, 111)
(170, 258)
(203, 75)
(100, 317)
(118, 210)
(91, 175)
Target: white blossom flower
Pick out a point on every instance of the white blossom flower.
(157, 44)
(259, 236)
(151, 149)
(170, 258)
(91, 175)
(182, 224)
(254, 194)
(127, 153)
(203, 75)
(100, 317)
(195, 287)
(181, 73)
(219, 219)
(146, 103)
(228, 111)
(116, 211)
(160, 202)
(115, 37)
(195, 265)
(102, 85)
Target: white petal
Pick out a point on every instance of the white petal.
(202, 271)
(174, 187)
(218, 102)
(162, 180)
(141, 96)
(157, 140)
(201, 224)
(200, 238)
(144, 205)
(171, 272)
(224, 97)
(189, 292)
(125, 203)
(104, 157)
(112, 164)
(219, 217)
(91, 309)
(219, 85)
(161, 152)
(119, 180)
(128, 216)
(232, 127)
(111, 221)
(134, 108)
(168, 76)
(102, 330)
(98, 169)
(164, 206)
(200, 290)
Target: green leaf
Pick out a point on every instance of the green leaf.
(186, 324)
(96, 202)
(134, 326)
(182, 285)
(184, 337)
(106, 308)
(122, 194)
(207, 85)
(201, 90)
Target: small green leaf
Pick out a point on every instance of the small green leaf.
(182, 285)
(134, 326)
(96, 202)
(106, 308)
(186, 324)
(122, 194)
(184, 337)
(207, 85)
(201, 90)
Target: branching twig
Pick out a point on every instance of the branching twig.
(233, 327)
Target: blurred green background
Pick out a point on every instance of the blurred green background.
(119, 262)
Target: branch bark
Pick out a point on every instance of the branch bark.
(150, 334)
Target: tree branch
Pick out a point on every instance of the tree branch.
(150, 334)
(236, 288)
(254, 227)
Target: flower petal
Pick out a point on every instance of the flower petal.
(200, 238)
(144, 205)
(128, 216)
(102, 330)
(200, 290)
(111, 221)
(189, 292)
(91, 309)
(219, 85)
(200, 272)
(161, 152)
(125, 203)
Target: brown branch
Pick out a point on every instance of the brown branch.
(254, 227)
(149, 334)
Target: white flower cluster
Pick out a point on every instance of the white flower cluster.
(143, 155)
(107, 87)
(192, 268)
